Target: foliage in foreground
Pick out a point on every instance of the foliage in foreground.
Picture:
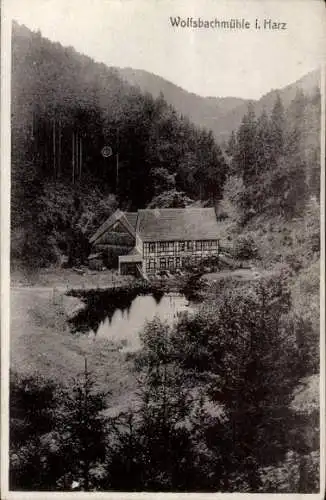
(213, 410)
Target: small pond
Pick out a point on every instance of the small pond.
(122, 322)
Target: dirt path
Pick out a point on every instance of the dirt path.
(31, 288)
(65, 279)
(42, 343)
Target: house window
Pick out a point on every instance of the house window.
(163, 246)
(151, 247)
(188, 245)
(171, 262)
(162, 263)
(198, 245)
(181, 246)
(177, 262)
(152, 264)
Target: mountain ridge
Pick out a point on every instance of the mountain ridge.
(222, 115)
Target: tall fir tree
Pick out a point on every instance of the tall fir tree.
(245, 159)
(81, 424)
(277, 129)
(264, 143)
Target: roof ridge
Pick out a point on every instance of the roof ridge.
(103, 227)
(131, 229)
(137, 223)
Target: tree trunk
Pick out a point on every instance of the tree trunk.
(303, 476)
(73, 158)
(80, 157)
(54, 149)
(59, 150)
(86, 475)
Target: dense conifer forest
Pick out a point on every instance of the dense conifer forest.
(66, 108)
(215, 393)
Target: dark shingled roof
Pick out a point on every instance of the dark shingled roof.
(166, 224)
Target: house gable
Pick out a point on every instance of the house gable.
(118, 234)
(118, 226)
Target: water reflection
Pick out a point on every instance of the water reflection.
(123, 323)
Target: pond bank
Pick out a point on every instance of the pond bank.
(41, 343)
(121, 316)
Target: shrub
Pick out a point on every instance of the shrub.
(222, 216)
(171, 199)
(245, 247)
(294, 262)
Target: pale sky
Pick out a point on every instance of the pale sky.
(215, 62)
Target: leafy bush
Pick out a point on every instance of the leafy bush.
(294, 262)
(232, 198)
(245, 247)
(297, 474)
(171, 199)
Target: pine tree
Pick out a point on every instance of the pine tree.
(232, 144)
(35, 462)
(165, 407)
(294, 144)
(264, 143)
(248, 357)
(155, 450)
(82, 430)
(245, 160)
(277, 128)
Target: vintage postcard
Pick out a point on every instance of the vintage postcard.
(162, 191)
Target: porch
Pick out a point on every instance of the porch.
(132, 263)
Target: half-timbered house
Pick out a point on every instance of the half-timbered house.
(160, 239)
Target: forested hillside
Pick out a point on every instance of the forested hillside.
(276, 157)
(65, 109)
(219, 114)
(272, 196)
(214, 402)
(210, 112)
